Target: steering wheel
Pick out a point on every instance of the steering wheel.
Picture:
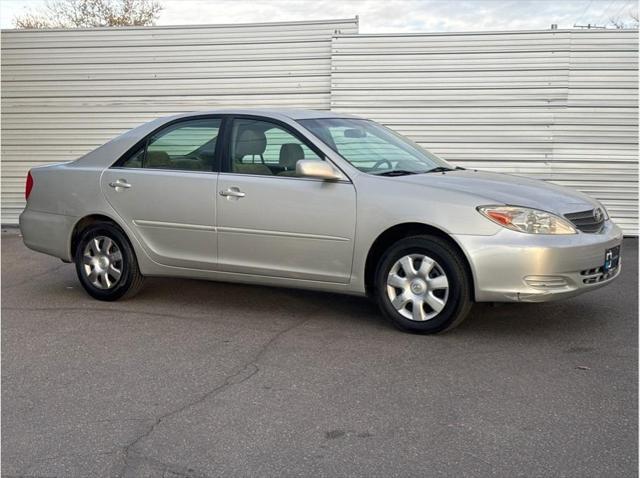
(380, 162)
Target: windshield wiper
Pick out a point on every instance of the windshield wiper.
(397, 172)
(404, 172)
(439, 169)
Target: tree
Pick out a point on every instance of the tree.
(630, 22)
(91, 13)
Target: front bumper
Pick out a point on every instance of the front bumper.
(516, 267)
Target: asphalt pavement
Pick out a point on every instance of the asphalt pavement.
(203, 379)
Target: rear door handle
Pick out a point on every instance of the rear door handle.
(232, 192)
(120, 183)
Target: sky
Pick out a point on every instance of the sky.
(382, 16)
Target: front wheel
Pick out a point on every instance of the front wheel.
(106, 264)
(422, 285)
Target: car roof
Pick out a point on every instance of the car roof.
(278, 113)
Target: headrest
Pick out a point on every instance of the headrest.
(157, 159)
(290, 154)
(250, 142)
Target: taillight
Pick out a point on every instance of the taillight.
(28, 187)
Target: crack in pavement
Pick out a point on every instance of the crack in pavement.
(242, 374)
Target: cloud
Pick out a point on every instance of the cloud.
(382, 16)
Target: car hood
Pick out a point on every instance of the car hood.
(494, 188)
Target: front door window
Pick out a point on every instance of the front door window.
(265, 148)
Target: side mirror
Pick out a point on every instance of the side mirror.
(313, 168)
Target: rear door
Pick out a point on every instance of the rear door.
(166, 189)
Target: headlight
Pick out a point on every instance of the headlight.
(523, 219)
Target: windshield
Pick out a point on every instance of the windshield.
(372, 148)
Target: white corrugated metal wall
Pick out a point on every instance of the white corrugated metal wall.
(554, 105)
(64, 92)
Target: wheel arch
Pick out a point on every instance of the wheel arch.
(86, 221)
(399, 231)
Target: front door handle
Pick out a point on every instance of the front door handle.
(120, 183)
(232, 192)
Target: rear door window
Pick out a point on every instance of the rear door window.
(185, 146)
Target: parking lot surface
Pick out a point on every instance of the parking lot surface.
(205, 379)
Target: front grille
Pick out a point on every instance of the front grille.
(595, 275)
(586, 221)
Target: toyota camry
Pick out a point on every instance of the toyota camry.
(316, 200)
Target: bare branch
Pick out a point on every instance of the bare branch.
(617, 23)
(31, 20)
(91, 13)
(627, 20)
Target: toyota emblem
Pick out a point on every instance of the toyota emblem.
(598, 215)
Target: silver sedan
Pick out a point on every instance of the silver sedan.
(317, 200)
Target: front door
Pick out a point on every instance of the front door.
(165, 192)
(272, 223)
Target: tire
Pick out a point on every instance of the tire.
(106, 263)
(436, 292)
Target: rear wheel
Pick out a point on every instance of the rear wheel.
(422, 285)
(106, 264)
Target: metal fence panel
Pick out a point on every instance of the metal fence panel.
(555, 105)
(64, 92)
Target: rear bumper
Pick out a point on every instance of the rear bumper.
(516, 267)
(48, 233)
